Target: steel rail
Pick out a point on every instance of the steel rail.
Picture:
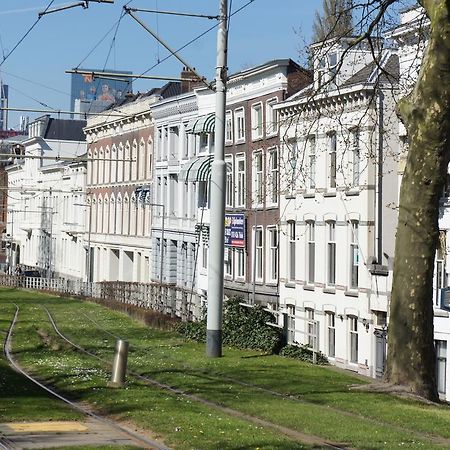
(288, 432)
(135, 436)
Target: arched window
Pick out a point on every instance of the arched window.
(120, 162)
(112, 215)
(107, 165)
(99, 214)
(95, 167)
(126, 215)
(141, 159)
(134, 161)
(119, 214)
(101, 166)
(127, 162)
(134, 206)
(105, 222)
(114, 164)
(90, 169)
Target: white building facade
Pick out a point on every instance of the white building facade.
(45, 208)
(337, 214)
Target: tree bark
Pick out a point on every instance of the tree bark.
(426, 114)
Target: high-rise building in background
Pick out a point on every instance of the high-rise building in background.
(91, 94)
(3, 104)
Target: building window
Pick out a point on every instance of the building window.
(311, 251)
(271, 117)
(355, 158)
(239, 121)
(312, 162)
(229, 127)
(290, 317)
(353, 324)
(229, 191)
(332, 161)
(257, 121)
(228, 261)
(240, 180)
(258, 177)
(273, 254)
(354, 254)
(310, 328)
(331, 253)
(331, 333)
(291, 250)
(291, 169)
(259, 254)
(240, 262)
(273, 176)
(441, 366)
(204, 256)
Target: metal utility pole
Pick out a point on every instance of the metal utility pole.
(218, 174)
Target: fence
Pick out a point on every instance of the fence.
(166, 299)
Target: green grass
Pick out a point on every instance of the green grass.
(20, 398)
(310, 399)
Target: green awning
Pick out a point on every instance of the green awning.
(196, 169)
(202, 124)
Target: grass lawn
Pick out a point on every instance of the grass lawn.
(308, 399)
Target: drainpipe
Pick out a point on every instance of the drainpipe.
(379, 190)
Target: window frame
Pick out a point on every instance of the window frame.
(330, 226)
(257, 121)
(271, 130)
(353, 250)
(273, 177)
(241, 179)
(273, 245)
(292, 244)
(258, 178)
(239, 116)
(310, 252)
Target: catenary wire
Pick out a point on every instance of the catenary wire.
(26, 34)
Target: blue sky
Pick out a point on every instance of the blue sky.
(264, 30)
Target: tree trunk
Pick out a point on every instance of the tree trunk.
(426, 114)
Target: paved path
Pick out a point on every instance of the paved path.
(21, 435)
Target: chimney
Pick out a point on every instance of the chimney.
(188, 84)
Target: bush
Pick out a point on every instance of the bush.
(303, 353)
(193, 331)
(243, 327)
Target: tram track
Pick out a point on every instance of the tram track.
(138, 439)
(293, 434)
(214, 376)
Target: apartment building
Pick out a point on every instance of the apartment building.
(339, 156)
(119, 177)
(252, 179)
(46, 197)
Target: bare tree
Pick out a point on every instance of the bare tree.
(425, 113)
(334, 21)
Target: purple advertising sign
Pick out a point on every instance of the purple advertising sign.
(235, 230)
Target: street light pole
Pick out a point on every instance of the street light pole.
(218, 173)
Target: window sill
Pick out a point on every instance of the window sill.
(240, 141)
(351, 293)
(308, 287)
(289, 196)
(329, 290)
(290, 285)
(329, 194)
(309, 194)
(272, 283)
(352, 193)
(257, 138)
(271, 135)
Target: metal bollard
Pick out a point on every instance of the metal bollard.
(119, 365)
